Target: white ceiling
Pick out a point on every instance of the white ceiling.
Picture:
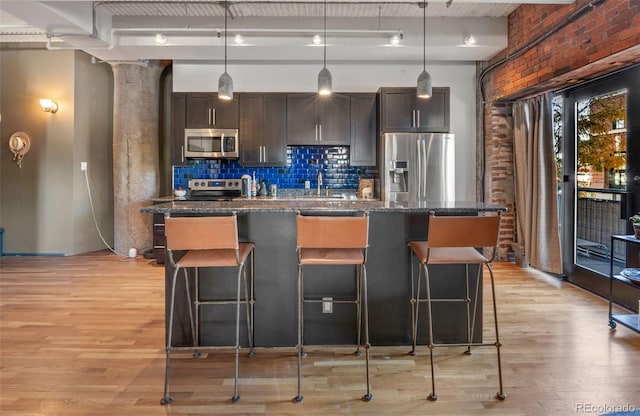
(273, 30)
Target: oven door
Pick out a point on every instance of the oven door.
(213, 194)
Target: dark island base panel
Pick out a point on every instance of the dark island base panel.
(276, 286)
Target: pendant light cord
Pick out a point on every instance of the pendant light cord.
(424, 36)
(226, 9)
(325, 34)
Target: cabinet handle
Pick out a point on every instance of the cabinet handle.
(316, 132)
(264, 150)
(213, 113)
(209, 115)
(413, 118)
(182, 153)
(320, 129)
(260, 157)
(418, 123)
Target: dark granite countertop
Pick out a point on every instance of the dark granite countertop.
(326, 204)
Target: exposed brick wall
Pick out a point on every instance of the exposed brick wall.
(601, 31)
(602, 39)
(499, 177)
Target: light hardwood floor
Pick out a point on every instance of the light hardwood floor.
(84, 335)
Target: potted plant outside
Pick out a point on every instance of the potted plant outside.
(635, 221)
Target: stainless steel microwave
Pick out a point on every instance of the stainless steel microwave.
(211, 143)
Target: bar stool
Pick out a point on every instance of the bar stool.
(208, 242)
(454, 240)
(328, 241)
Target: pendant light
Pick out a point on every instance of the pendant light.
(225, 83)
(424, 89)
(324, 77)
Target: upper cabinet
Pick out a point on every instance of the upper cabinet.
(402, 111)
(178, 118)
(318, 120)
(263, 129)
(205, 110)
(362, 151)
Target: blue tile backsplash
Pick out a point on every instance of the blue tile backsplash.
(303, 163)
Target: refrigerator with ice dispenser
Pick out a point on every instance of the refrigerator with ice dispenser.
(417, 167)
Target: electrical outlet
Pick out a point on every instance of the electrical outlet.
(83, 165)
(327, 305)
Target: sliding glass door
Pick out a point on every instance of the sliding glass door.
(601, 196)
(598, 128)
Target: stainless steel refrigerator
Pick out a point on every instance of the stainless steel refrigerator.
(417, 167)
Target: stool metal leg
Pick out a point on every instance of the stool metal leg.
(475, 300)
(358, 310)
(195, 330)
(236, 397)
(500, 394)
(467, 300)
(299, 397)
(432, 396)
(363, 275)
(414, 306)
(416, 309)
(249, 309)
(250, 312)
(166, 399)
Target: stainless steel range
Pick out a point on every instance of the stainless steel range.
(214, 189)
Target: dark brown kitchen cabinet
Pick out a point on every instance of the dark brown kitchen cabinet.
(363, 129)
(178, 124)
(263, 129)
(402, 111)
(205, 110)
(318, 120)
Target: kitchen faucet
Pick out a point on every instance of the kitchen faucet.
(319, 181)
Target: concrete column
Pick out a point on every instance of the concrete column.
(136, 175)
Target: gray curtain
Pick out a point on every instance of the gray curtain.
(536, 204)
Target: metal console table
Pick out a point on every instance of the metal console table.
(631, 321)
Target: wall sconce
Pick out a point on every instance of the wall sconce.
(48, 105)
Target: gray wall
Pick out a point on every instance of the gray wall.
(44, 205)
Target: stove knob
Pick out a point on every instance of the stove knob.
(202, 183)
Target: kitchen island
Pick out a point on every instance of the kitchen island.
(270, 224)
